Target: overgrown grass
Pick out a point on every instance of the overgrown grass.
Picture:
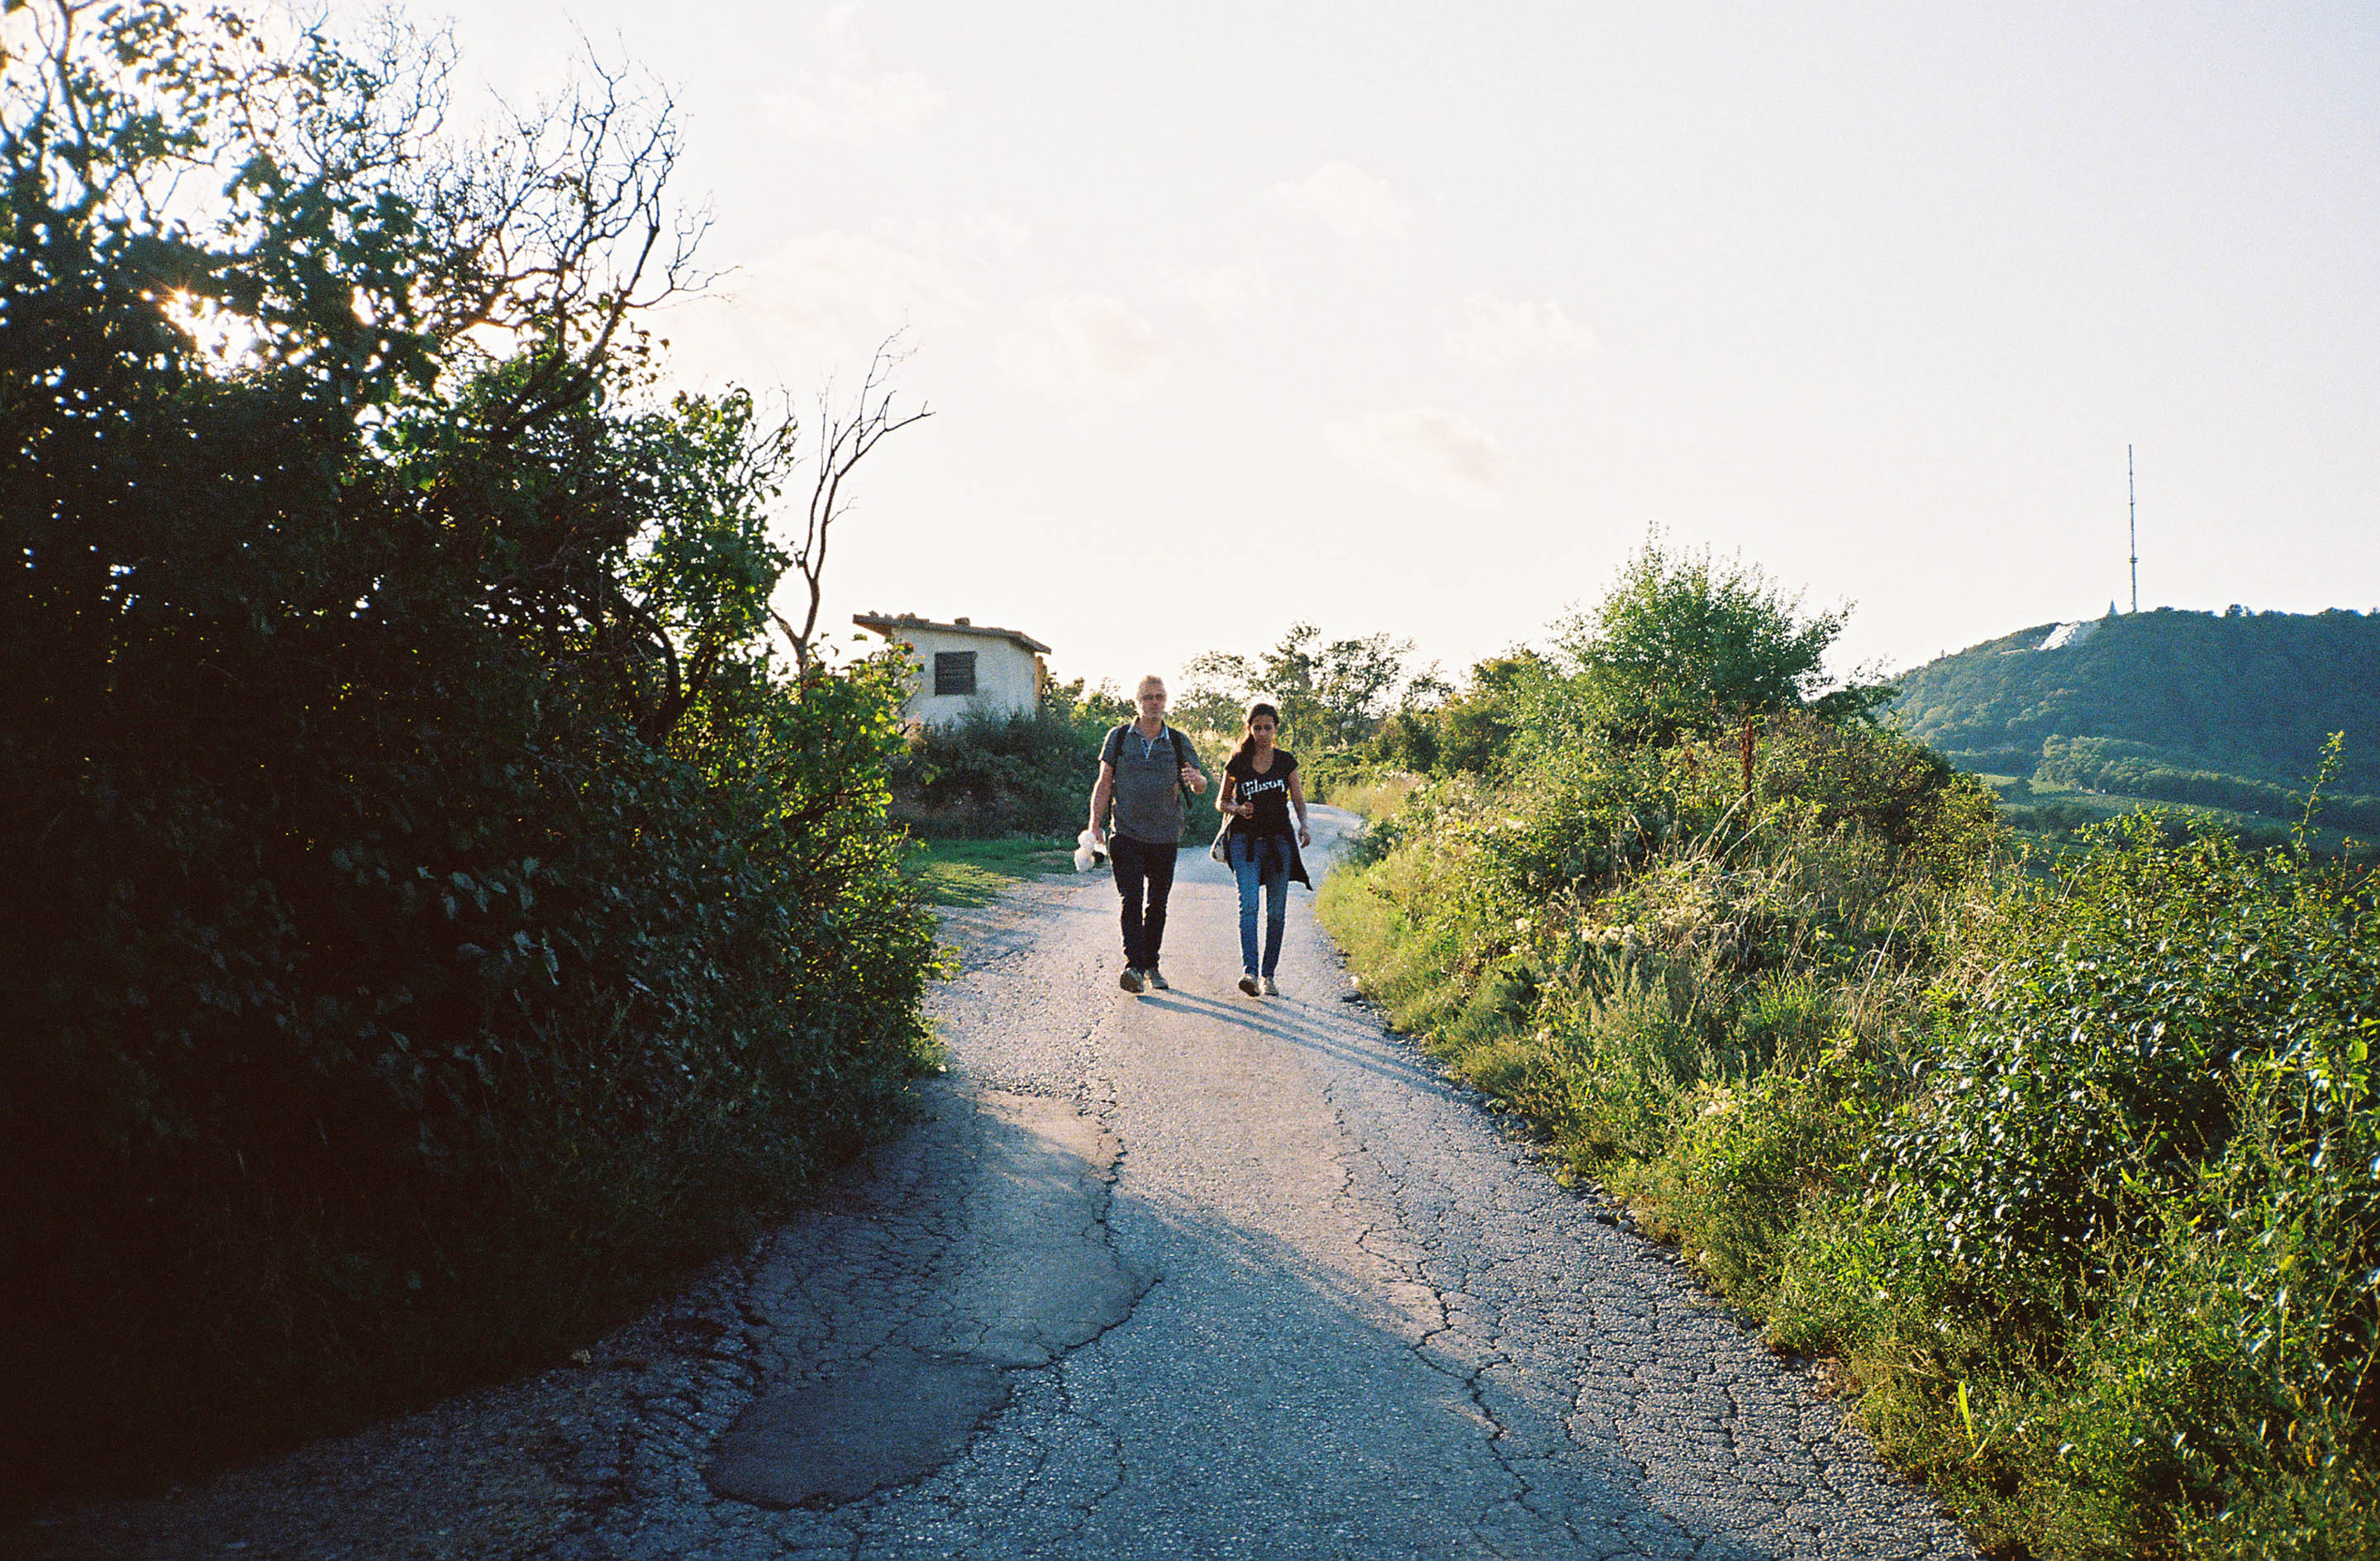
(1379, 795)
(969, 872)
(2073, 1174)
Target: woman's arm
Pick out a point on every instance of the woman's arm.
(1223, 793)
(1298, 800)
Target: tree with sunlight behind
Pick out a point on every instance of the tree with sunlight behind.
(452, 917)
(1687, 645)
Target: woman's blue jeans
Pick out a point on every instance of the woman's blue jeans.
(1245, 856)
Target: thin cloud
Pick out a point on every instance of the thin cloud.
(1435, 454)
(849, 103)
(1004, 234)
(841, 288)
(1088, 348)
(1498, 330)
(1351, 202)
(852, 110)
(838, 27)
(1223, 292)
(974, 237)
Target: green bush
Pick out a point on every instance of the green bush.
(2094, 1074)
(986, 775)
(1337, 771)
(2071, 1167)
(1735, 1178)
(450, 924)
(2152, 1145)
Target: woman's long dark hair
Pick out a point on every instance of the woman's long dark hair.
(1248, 739)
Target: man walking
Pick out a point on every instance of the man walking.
(1143, 766)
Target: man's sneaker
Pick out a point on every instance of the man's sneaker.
(1157, 979)
(1132, 980)
(1249, 984)
(1269, 989)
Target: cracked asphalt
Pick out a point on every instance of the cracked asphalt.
(1183, 1275)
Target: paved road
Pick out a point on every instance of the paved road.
(1181, 1275)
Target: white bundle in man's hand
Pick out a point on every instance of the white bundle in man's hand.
(1088, 849)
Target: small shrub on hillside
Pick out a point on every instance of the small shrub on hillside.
(1409, 740)
(989, 774)
(1748, 1158)
(1903, 796)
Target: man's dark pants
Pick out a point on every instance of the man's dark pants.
(1144, 875)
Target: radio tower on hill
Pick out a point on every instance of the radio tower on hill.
(2133, 525)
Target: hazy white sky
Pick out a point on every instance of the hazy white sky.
(1413, 318)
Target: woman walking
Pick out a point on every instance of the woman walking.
(1260, 786)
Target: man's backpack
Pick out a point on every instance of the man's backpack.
(1181, 750)
(1181, 759)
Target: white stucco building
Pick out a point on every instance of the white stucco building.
(962, 666)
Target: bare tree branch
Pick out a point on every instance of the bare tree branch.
(844, 438)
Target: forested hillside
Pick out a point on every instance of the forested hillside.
(2163, 695)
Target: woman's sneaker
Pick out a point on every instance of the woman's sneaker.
(1249, 984)
(1269, 989)
(1157, 980)
(1132, 980)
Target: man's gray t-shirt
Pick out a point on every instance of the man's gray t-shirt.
(1147, 783)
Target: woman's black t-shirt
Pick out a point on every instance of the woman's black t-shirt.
(1269, 792)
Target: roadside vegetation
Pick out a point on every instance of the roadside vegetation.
(993, 792)
(992, 799)
(2065, 1172)
(991, 775)
(971, 873)
(444, 916)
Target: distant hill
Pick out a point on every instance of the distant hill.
(2230, 711)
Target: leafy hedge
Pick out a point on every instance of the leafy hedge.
(987, 774)
(2134, 1204)
(449, 921)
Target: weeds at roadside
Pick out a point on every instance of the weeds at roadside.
(2073, 1173)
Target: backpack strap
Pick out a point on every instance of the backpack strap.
(1181, 750)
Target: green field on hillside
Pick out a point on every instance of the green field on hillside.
(2053, 819)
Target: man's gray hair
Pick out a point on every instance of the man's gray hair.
(1144, 683)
